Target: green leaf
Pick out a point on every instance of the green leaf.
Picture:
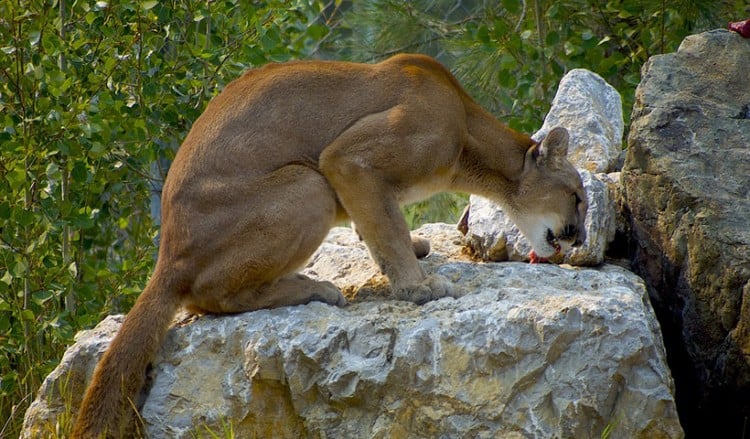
(483, 34)
(7, 279)
(83, 222)
(90, 17)
(73, 270)
(270, 40)
(552, 38)
(16, 178)
(79, 172)
(633, 78)
(512, 6)
(40, 297)
(572, 49)
(5, 210)
(19, 269)
(507, 62)
(255, 55)
(317, 31)
(34, 37)
(149, 4)
(26, 315)
(24, 217)
(97, 149)
(500, 31)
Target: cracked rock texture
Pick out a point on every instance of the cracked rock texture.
(526, 352)
(687, 185)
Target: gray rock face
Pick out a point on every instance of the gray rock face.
(591, 110)
(528, 351)
(687, 184)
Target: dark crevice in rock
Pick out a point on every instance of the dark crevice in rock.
(744, 113)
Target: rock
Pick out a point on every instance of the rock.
(61, 392)
(591, 110)
(617, 197)
(528, 351)
(494, 237)
(687, 184)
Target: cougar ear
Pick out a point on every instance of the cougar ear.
(554, 146)
(551, 150)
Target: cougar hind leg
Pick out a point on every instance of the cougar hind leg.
(292, 289)
(282, 220)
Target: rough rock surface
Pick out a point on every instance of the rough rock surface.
(687, 184)
(591, 109)
(528, 351)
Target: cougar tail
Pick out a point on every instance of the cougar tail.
(109, 404)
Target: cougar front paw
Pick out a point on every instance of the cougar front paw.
(330, 294)
(432, 288)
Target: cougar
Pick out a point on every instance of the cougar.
(288, 150)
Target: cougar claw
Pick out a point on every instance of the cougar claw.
(432, 288)
(331, 295)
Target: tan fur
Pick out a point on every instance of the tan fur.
(286, 151)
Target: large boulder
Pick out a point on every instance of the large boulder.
(591, 110)
(528, 351)
(687, 185)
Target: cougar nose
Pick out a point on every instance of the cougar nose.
(571, 232)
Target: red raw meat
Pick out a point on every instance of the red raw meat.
(741, 27)
(536, 259)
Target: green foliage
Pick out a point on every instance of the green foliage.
(96, 95)
(92, 94)
(206, 432)
(443, 208)
(511, 54)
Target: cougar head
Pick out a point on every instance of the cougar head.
(550, 205)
